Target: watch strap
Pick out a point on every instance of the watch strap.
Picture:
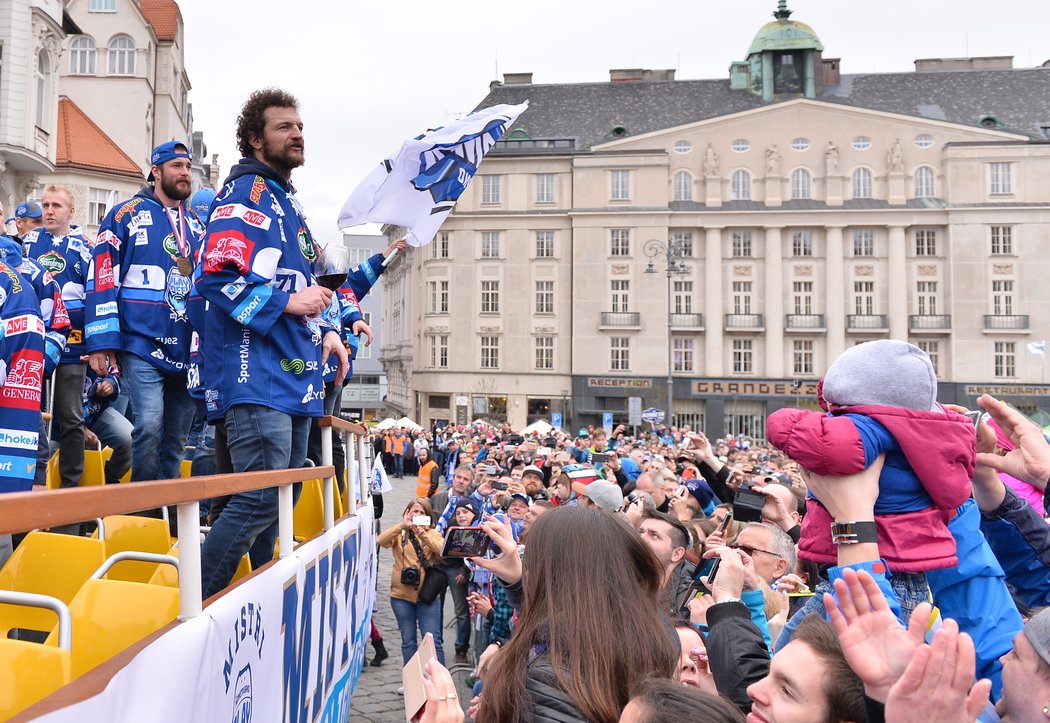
(853, 533)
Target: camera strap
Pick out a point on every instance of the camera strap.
(419, 551)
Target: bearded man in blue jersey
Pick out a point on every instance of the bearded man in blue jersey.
(263, 346)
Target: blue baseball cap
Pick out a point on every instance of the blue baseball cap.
(201, 202)
(27, 209)
(169, 152)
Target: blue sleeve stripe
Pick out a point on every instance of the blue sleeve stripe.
(252, 304)
(369, 273)
(105, 326)
(17, 467)
(141, 294)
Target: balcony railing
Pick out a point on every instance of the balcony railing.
(621, 318)
(744, 321)
(930, 322)
(1004, 321)
(688, 321)
(807, 322)
(866, 322)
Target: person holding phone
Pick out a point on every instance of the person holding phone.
(408, 540)
(466, 514)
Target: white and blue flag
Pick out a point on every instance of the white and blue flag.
(419, 185)
(1038, 347)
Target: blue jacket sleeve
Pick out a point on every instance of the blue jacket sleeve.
(875, 438)
(101, 313)
(363, 277)
(1020, 540)
(756, 603)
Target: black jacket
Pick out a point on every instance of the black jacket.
(675, 598)
(736, 652)
(550, 704)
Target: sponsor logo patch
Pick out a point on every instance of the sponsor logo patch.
(230, 248)
(104, 273)
(24, 378)
(239, 210)
(258, 186)
(53, 262)
(306, 245)
(126, 209)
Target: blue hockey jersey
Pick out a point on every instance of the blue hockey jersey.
(52, 309)
(21, 379)
(136, 294)
(67, 258)
(259, 252)
(358, 283)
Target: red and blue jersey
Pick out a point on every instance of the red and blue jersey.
(52, 308)
(358, 283)
(21, 379)
(136, 291)
(68, 260)
(259, 252)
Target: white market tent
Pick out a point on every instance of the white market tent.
(539, 427)
(386, 424)
(407, 424)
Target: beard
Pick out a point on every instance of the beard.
(176, 190)
(283, 158)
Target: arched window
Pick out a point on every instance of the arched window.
(923, 182)
(683, 186)
(82, 54)
(801, 184)
(43, 70)
(740, 186)
(121, 55)
(862, 183)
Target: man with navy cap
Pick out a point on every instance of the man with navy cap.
(28, 216)
(136, 324)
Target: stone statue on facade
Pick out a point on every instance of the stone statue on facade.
(710, 161)
(773, 160)
(831, 158)
(895, 157)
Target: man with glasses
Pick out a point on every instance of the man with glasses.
(770, 548)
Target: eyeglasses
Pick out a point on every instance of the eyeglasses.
(752, 550)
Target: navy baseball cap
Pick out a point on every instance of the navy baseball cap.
(201, 202)
(169, 152)
(27, 209)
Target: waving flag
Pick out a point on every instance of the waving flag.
(419, 185)
(1038, 347)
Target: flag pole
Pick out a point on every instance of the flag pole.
(388, 259)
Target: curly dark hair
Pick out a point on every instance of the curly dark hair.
(252, 119)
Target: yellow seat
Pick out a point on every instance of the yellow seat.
(94, 470)
(106, 454)
(110, 615)
(31, 672)
(308, 515)
(167, 575)
(140, 534)
(46, 564)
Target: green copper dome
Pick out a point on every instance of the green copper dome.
(784, 34)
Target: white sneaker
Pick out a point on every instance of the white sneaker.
(401, 690)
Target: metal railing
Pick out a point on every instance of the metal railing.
(804, 321)
(1006, 321)
(926, 322)
(621, 318)
(688, 321)
(866, 322)
(744, 321)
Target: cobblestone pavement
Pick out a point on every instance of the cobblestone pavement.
(376, 699)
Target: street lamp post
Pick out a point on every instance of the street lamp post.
(672, 251)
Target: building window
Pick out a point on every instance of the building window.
(801, 184)
(97, 202)
(82, 56)
(800, 144)
(490, 352)
(489, 297)
(862, 183)
(924, 182)
(925, 242)
(1005, 359)
(545, 244)
(102, 6)
(933, 351)
(683, 186)
(741, 145)
(861, 143)
(620, 242)
(122, 56)
(439, 351)
(683, 147)
(683, 242)
(740, 187)
(490, 244)
(1000, 178)
(621, 292)
(544, 188)
(490, 188)
(1003, 297)
(439, 401)
(683, 353)
(544, 297)
(803, 296)
(683, 297)
(864, 298)
(743, 356)
(802, 357)
(742, 244)
(923, 141)
(544, 352)
(926, 295)
(620, 353)
(43, 69)
(863, 242)
(741, 297)
(1002, 240)
(620, 186)
(801, 243)
(438, 297)
(439, 249)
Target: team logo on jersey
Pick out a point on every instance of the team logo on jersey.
(295, 366)
(104, 273)
(258, 186)
(306, 245)
(171, 247)
(177, 289)
(231, 248)
(53, 262)
(24, 378)
(126, 209)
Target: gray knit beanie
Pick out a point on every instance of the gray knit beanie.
(885, 372)
(1037, 630)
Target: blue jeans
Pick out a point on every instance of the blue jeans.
(259, 438)
(399, 465)
(162, 410)
(426, 617)
(114, 431)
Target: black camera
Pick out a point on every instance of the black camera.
(410, 576)
(747, 505)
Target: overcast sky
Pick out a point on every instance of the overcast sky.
(369, 74)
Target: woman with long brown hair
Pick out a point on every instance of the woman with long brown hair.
(590, 629)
